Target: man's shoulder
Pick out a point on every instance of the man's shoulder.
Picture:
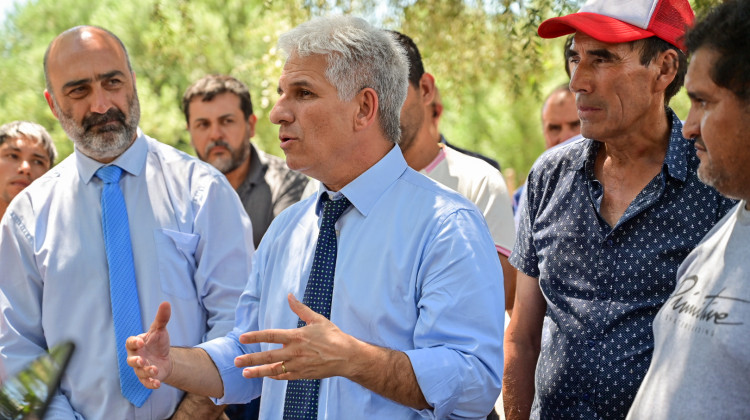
(462, 165)
(566, 156)
(421, 190)
(488, 160)
(167, 152)
(181, 163)
(298, 217)
(57, 177)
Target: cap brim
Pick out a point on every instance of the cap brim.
(600, 27)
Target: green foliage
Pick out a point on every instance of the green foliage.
(490, 65)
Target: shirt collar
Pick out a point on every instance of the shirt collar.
(578, 161)
(680, 148)
(367, 188)
(132, 160)
(435, 162)
(675, 162)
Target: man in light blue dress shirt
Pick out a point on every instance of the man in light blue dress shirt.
(191, 239)
(416, 321)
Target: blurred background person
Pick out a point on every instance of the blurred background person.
(560, 124)
(560, 117)
(219, 115)
(26, 153)
(436, 109)
(474, 179)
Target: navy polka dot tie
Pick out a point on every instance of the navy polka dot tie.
(126, 312)
(301, 400)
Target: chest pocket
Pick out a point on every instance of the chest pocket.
(176, 254)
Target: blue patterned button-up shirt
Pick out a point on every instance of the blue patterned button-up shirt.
(603, 285)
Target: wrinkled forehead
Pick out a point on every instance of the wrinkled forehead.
(85, 48)
(305, 70)
(584, 43)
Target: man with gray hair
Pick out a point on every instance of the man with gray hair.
(26, 153)
(400, 317)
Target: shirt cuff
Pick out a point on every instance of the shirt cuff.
(438, 378)
(237, 388)
(452, 384)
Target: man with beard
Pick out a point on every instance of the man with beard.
(701, 364)
(425, 152)
(26, 153)
(125, 222)
(219, 116)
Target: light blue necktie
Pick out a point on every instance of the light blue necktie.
(302, 395)
(126, 313)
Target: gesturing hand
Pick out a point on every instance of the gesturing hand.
(148, 353)
(317, 350)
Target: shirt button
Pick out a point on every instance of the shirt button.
(591, 343)
(609, 242)
(603, 295)
(586, 397)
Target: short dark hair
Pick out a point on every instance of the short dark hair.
(566, 48)
(725, 29)
(416, 68)
(215, 84)
(650, 49)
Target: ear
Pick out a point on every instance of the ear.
(48, 97)
(667, 63)
(367, 109)
(251, 120)
(437, 110)
(427, 88)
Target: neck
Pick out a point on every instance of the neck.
(358, 164)
(3, 207)
(424, 150)
(646, 145)
(237, 176)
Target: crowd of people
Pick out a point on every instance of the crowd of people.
(377, 271)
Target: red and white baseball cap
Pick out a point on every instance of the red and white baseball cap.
(615, 21)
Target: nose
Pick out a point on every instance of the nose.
(24, 167)
(580, 78)
(215, 131)
(280, 113)
(691, 128)
(100, 101)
